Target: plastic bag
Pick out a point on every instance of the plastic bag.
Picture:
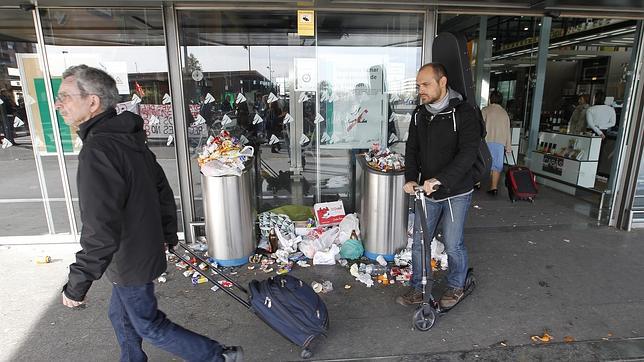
(351, 249)
(307, 248)
(219, 168)
(347, 225)
(326, 257)
(329, 237)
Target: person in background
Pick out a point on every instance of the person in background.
(578, 117)
(8, 109)
(600, 117)
(128, 214)
(498, 138)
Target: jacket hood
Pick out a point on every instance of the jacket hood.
(125, 128)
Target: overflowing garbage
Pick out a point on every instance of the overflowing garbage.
(286, 244)
(224, 155)
(383, 159)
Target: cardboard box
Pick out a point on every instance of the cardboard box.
(329, 213)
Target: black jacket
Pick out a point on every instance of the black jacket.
(444, 146)
(126, 203)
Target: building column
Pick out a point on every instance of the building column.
(537, 95)
(179, 115)
(482, 72)
(429, 33)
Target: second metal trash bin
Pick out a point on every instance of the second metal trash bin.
(382, 210)
(230, 214)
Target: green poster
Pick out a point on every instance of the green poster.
(47, 126)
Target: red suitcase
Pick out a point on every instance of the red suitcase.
(521, 183)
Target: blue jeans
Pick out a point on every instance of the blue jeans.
(135, 316)
(453, 222)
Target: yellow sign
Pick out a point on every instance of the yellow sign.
(306, 22)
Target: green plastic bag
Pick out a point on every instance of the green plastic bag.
(351, 249)
(295, 212)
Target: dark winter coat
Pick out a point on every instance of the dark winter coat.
(126, 203)
(444, 146)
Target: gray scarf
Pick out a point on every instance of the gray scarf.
(441, 104)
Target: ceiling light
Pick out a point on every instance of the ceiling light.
(525, 29)
(493, 38)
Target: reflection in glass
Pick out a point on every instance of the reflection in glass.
(31, 196)
(130, 46)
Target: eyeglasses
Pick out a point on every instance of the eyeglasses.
(63, 97)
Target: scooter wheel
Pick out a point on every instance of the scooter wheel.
(424, 317)
(306, 353)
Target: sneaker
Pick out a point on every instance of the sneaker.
(451, 297)
(413, 296)
(233, 354)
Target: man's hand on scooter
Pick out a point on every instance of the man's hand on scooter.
(431, 185)
(410, 187)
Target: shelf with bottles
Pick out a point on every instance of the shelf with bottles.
(570, 146)
(553, 121)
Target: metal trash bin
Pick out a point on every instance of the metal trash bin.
(382, 210)
(230, 214)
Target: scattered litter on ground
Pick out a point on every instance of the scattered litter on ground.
(162, 278)
(43, 259)
(477, 207)
(347, 286)
(568, 339)
(323, 287)
(225, 283)
(545, 338)
(566, 240)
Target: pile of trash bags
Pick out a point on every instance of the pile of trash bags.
(324, 246)
(223, 155)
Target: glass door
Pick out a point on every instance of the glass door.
(240, 75)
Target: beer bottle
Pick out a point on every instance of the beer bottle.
(272, 240)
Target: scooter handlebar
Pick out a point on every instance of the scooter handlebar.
(420, 189)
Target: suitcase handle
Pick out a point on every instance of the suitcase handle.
(513, 158)
(212, 280)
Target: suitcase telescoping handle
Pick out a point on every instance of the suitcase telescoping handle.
(514, 160)
(211, 279)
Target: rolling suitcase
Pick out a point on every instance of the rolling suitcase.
(287, 304)
(521, 183)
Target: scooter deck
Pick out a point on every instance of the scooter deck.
(470, 284)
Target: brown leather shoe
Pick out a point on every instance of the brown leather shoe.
(412, 297)
(451, 297)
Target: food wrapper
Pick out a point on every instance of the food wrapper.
(224, 155)
(384, 160)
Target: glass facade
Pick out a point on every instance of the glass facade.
(129, 45)
(293, 97)
(587, 64)
(307, 102)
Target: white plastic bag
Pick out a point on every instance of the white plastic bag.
(218, 168)
(347, 225)
(308, 248)
(329, 237)
(326, 257)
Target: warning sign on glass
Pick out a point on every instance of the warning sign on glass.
(306, 23)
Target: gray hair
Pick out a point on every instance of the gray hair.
(95, 81)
